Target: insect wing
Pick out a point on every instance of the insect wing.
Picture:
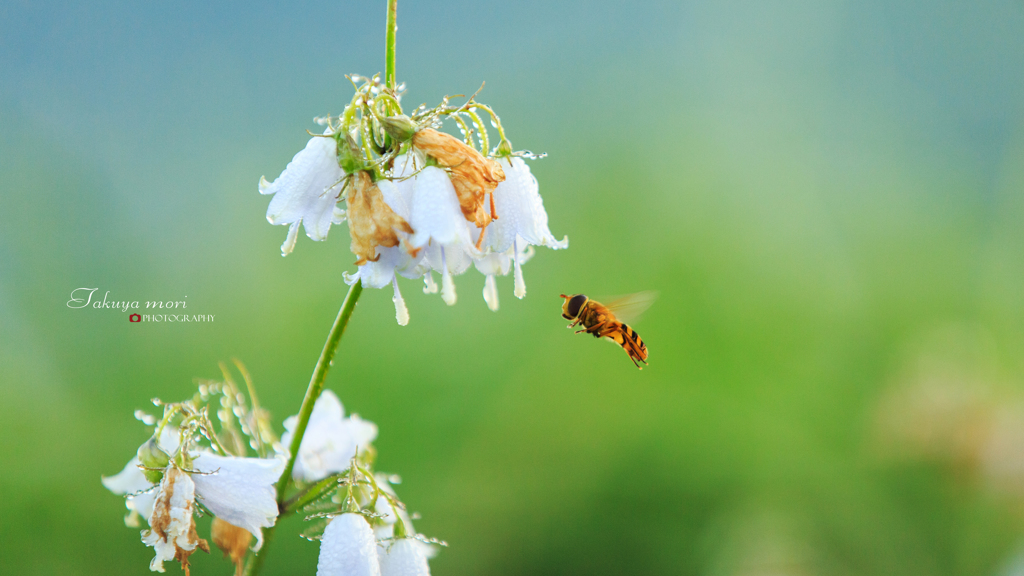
(629, 308)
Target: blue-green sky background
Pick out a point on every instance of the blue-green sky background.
(819, 191)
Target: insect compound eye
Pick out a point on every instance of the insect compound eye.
(575, 303)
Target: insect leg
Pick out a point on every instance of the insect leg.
(593, 329)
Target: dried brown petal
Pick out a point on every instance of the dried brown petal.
(473, 175)
(172, 526)
(371, 222)
(232, 541)
(182, 555)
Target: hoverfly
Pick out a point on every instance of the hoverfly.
(604, 321)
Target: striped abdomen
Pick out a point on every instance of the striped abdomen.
(638, 343)
(630, 341)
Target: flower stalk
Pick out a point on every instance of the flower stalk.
(316, 386)
(389, 52)
(316, 383)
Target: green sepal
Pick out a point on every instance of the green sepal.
(153, 459)
(350, 155)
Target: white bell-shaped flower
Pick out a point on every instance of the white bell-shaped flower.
(522, 220)
(434, 212)
(239, 491)
(132, 482)
(387, 512)
(403, 557)
(520, 211)
(331, 440)
(440, 229)
(307, 192)
(389, 516)
(348, 548)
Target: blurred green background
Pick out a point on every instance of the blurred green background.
(828, 196)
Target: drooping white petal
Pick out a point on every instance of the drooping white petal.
(456, 258)
(390, 260)
(495, 263)
(434, 212)
(447, 284)
(362, 432)
(401, 312)
(403, 557)
(307, 191)
(348, 548)
(131, 480)
(127, 481)
(331, 440)
(396, 195)
(290, 239)
(520, 283)
(339, 215)
(143, 504)
(491, 293)
(239, 490)
(429, 286)
(520, 210)
(491, 265)
(525, 253)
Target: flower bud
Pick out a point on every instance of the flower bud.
(403, 557)
(350, 156)
(348, 548)
(400, 127)
(154, 459)
(400, 530)
(504, 149)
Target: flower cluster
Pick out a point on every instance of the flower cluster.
(362, 526)
(190, 467)
(417, 200)
(185, 468)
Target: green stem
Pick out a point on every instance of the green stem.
(389, 54)
(316, 383)
(311, 493)
(316, 386)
